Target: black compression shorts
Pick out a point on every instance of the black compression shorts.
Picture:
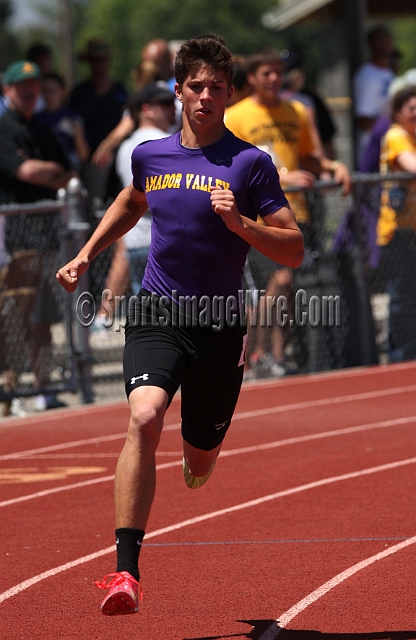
(206, 363)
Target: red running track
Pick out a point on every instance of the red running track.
(309, 519)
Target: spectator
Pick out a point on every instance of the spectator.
(397, 225)
(295, 88)
(158, 51)
(3, 102)
(100, 101)
(163, 54)
(370, 163)
(40, 54)
(66, 124)
(371, 84)
(282, 129)
(241, 85)
(145, 72)
(370, 158)
(33, 166)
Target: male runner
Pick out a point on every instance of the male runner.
(205, 188)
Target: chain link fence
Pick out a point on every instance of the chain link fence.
(351, 303)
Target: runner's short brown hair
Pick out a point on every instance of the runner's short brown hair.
(204, 50)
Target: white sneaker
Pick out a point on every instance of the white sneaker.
(249, 374)
(267, 367)
(17, 408)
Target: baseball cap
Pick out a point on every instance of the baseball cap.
(21, 70)
(408, 79)
(152, 93)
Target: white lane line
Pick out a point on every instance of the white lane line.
(358, 372)
(202, 518)
(273, 631)
(310, 404)
(223, 454)
(317, 436)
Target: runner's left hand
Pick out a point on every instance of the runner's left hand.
(224, 204)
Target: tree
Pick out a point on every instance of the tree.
(9, 47)
(128, 25)
(404, 34)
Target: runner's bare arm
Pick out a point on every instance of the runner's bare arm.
(120, 217)
(279, 238)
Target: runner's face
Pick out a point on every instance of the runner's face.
(204, 94)
(266, 82)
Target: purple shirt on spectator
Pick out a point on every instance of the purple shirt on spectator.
(370, 158)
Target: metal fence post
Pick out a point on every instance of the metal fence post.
(360, 268)
(78, 229)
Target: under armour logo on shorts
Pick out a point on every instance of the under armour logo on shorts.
(145, 376)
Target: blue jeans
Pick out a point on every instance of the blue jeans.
(399, 260)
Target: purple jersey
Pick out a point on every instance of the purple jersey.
(192, 252)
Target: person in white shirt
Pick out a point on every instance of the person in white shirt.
(154, 109)
(371, 84)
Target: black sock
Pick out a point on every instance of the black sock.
(128, 544)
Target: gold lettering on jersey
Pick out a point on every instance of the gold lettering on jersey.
(204, 183)
(166, 181)
(222, 184)
(192, 181)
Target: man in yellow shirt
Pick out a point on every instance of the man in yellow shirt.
(282, 129)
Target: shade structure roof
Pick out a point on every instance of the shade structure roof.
(291, 11)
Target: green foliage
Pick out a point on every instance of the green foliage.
(9, 46)
(129, 24)
(404, 30)
(5, 11)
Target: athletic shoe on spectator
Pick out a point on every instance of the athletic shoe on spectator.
(267, 367)
(17, 408)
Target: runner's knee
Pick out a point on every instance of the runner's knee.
(145, 423)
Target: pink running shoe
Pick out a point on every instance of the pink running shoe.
(124, 594)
